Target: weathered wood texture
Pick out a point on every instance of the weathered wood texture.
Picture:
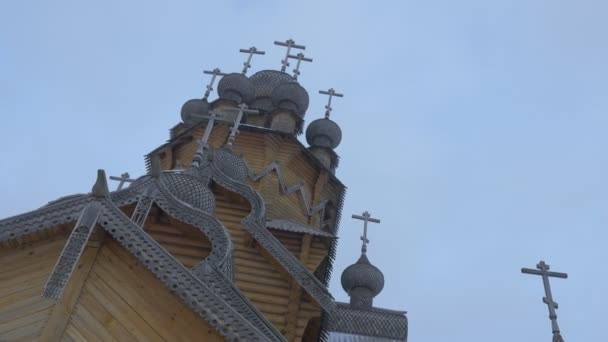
(123, 301)
(24, 271)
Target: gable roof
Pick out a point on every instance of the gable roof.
(211, 294)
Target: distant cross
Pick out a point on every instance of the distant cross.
(289, 44)
(242, 109)
(215, 72)
(331, 92)
(543, 270)
(365, 217)
(124, 178)
(251, 51)
(300, 57)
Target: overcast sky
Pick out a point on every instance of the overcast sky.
(476, 130)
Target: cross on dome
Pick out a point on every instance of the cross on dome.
(331, 92)
(251, 51)
(365, 217)
(215, 73)
(289, 44)
(300, 57)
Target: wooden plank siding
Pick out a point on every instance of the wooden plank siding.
(24, 271)
(123, 301)
(261, 279)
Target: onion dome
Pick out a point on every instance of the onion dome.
(231, 164)
(323, 133)
(264, 83)
(189, 189)
(290, 96)
(193, 108)
(236, 87)
(362, 281)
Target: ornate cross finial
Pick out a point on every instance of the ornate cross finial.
(289, 43)
(543, 270)
(251, 51)
(300, 57)
(365, 217)
(198, 156)
(124, 178)
(331, 92)
(215, 72)
(242, 109)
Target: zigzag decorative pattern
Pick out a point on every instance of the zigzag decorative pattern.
(288, 189)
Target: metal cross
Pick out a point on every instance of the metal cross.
(300, 57)
(543, 270)
(289, 43)
(331, 92)
(124, 178)
(365, 217)
(242, 109)
(251, 51)
(215, 72)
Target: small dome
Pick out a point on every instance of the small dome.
(362, 274)
(231, 164)
(290, 96)
(189, 189)
(264, 83)
(193, 108)
(236, 87)
(323, 133)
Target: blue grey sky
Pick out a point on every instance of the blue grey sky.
(476, 130)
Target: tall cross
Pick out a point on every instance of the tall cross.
(215, 73)
(198, 156)
(365, 217)
(289, 43)
(242, 109)
(331, 92)
(124, 178)
(543, 270)
(251, 51)
(300, 57)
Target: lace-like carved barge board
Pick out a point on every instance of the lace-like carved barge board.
(256, 225)
(288, 189)
(200, 296)
(72, 251)
(43, 218)
(216, 270)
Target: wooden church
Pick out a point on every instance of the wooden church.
(231, 235)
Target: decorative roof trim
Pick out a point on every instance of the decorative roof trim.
(72, 250)
(296, 227)
(255, 223)
(222, 304)
(372, 322)
(197, 294)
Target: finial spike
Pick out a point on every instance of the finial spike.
(289, 44)
(251, 51)
(331, 92)
(365, 217)
(100, 188)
